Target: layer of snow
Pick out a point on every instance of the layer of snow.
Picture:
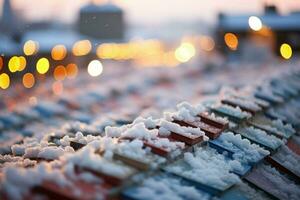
(235, 111)
(243, 150)
(167, 188)
(207, 167)
(167, 127)
(262, 137)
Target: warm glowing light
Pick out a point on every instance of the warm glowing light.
(28, 80)
(82, 47)
(4, 81)
(185, 52)
(57, 87)
(72, 70)
(95, 68)
(207, 43)
(255, 23)
(60, 73)
(14, 64)
(286, 51)
(1, 62)
(42, 65)
(59, 52)
(231, 41)
(30, 48)
(109, 51)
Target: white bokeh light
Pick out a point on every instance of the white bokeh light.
(255, 23)
(95, 68)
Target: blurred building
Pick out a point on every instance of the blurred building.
(276, 29)
(102, 22)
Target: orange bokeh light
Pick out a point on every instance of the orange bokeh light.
(28, 80)
(60, 73)
(72, 70)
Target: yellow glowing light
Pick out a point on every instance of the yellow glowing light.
(82, 48)
(286, 51)
(1, 62)
(59, 52)
(255, 23)
(231, 41)
(60, 73)
(4, 81)
(14, 64)
(185, 52)
(72, 70)
(28, 80)
(207, 43)
(95, 68)
(42, 65)
(57, 87)
(30, 48)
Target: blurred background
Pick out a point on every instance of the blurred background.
(46, 45)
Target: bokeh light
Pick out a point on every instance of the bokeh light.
(72, 70)
(185, 52)
(28, 80)
(82, 48)
(14, 64)
(42, 65)
(4, 81)
(255, 23)
(231, 41)
(286, 51)
(30, 47)
(95, 68)
(58, 52)
(60, 73)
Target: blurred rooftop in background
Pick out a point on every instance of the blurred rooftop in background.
(40, 39)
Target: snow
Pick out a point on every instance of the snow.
(86, 157)
(149, 122)
(166, 144)
(140, 131)
(246, 103)
(235, 111)
(262, 137)
(286, 129)
(168, 188)
(207, 167)
(167, 127)
(214, 117)
(133, 149)
(187, 112)
(244, 151)
(50, 153)
(17, 181)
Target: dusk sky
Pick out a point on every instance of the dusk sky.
(149, 11)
